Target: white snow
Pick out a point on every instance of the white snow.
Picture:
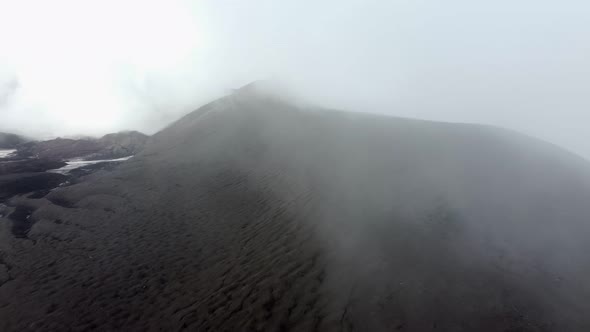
(6, 153)
(77, 163)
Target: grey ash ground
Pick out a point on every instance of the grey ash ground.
(254, 214)
(35, 168)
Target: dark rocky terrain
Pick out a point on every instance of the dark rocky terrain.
(110, 146)
(119, 145)
(28, 165)
(28, 170)
(10, 141)
(257, 214)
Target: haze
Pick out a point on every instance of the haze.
(92, 67)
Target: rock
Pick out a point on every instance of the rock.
(119, 145)
(21, 183)
(29, 165)
(10, 141)
(59, 148)
(110, 146)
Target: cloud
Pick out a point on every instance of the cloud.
(97, 66)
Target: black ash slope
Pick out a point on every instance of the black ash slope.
(255, 214)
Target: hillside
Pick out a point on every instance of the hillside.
(10, 141)
(254, 213)
(110, 146)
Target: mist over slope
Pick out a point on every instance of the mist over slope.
(115, 145)
(10, 141)
(257, 213)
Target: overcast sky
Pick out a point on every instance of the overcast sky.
(90, 67)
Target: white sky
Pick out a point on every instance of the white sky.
(91, 67)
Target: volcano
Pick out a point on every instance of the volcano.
(259, 213)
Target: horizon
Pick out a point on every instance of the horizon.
(523, 66)
(292, 97)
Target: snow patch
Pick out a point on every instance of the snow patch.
(77, 163)
(6, 153)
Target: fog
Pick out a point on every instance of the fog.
(263, 211)
(74, 67)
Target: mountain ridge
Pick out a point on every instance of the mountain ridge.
(10, 141)
(110, 146)
(253, 213)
